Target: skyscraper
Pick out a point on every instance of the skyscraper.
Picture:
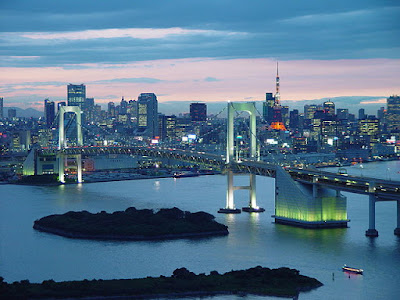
(147, 115)
(329, 108)
(1, 108)
(76, 95)
(393, 112)
(268, 106)
(342, 113)
(12, 113)
(309, 111)
(49, 112)
(361, 114)
(198, 112)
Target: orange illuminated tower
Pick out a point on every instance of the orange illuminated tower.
(277, 122)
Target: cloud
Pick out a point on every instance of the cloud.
(127, 80)
(211, 79)
(136, 33)
(55, 34)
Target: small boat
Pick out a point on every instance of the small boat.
(185, 174)
(346, 268)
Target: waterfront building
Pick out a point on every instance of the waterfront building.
(369, 127)
(49, 112)
(170, 124)
(147, 115)
(198, 112)
(76, 95)
(393, 113)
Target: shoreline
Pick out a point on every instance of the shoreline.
(280, 282)
(73, 235)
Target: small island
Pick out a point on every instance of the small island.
(283, 282)
(132, 224)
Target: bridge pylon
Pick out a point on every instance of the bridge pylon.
(62, 142)
(231, 159)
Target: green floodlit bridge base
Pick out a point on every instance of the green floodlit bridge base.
(311, 225)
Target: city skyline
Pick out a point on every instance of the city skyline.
(346, 49)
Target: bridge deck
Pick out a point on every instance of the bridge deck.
(384, 189)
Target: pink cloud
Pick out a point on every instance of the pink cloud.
(138, 33)
(238, 79)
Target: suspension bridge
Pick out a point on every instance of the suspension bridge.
(303, 197)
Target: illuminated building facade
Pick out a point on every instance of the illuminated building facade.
(308, 205)
(147, 117)
(329, 108)
(393, 113)
(268, 106)
(76, 95)
(309, 111)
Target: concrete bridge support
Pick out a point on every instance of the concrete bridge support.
(62, 142)
(397, 230)
(307, 205)
(61, 167)
(372, 232)
(230, 206)
(62, 161)
(230, 157)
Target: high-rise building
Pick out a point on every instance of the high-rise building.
(309, 111)
(361, 114)
(170, 127)
(381, 114)
(59, 104)
(111, 109)
(329, 108)
(147, 115)
(393, 112)
(368, 126)
(123, 107)
(294, 119)
(342, 113)
(12, 113)
(49, 112)
(76, 95)
(268, 107)
(88, 110)
(1, 108)
(198, 112)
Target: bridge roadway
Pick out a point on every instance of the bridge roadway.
(383, 189)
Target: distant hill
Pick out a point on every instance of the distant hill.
(24, 113)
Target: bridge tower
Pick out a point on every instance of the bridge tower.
(62, 142)
(231, 160)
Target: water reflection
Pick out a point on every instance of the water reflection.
(157, 185)
(326, 236)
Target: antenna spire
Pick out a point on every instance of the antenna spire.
(277, 94)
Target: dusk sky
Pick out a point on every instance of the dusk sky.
(200, 50)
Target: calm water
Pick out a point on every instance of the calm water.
(253, 239)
